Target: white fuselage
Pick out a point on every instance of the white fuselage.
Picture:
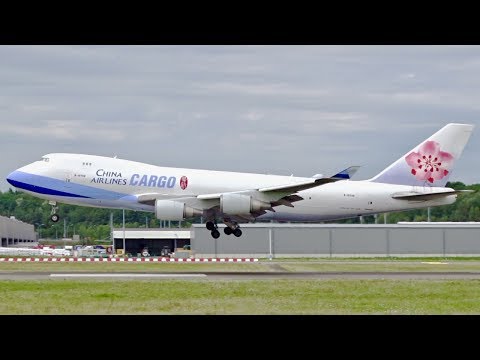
(98, 181)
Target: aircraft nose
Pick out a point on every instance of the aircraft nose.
(14, 178)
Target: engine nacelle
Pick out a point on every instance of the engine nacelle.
(241, 204)
(174, 210)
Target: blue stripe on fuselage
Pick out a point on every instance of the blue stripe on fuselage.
(42, 190)
(50, 186)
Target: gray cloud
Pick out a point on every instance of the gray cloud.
(267, 109)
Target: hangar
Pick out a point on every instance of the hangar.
(156, 241)
(15, 232)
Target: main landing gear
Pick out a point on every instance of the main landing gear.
(235, 231)
(231, 228)
(54, 217)
(213, 227)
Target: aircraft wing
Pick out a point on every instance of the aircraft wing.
(289, 188)
(292, 188)
(283, 194)
(283, 190)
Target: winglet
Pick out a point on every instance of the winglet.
(347, 173)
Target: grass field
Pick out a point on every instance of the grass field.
(281, 296)
(240, 297)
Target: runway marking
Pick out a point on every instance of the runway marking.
(434, 263)
(215, 276)
(127, 275)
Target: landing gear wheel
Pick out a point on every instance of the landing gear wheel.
(228, 231)
(237, 232)
(54, 217)
(210, 225)
(215, 234)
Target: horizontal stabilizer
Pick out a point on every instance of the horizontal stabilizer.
(412, 195)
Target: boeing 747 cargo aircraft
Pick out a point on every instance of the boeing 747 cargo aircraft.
(415, 180)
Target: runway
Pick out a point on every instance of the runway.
(403, 275)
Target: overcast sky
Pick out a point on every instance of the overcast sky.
(283, 110)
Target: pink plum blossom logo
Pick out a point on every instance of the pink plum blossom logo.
(429, 163)
(183, 182)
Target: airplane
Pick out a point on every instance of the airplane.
(415, 180)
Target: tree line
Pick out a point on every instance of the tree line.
(94, 223)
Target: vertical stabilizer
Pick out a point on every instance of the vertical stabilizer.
(431, 162)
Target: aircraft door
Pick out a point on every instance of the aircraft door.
(68, 179)
(368, 202)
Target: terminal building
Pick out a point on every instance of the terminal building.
(16, 233)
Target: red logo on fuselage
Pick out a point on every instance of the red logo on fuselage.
(183, 182)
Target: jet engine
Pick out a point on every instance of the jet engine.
(241, 204)
(175, 210)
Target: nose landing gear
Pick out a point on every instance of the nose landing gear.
(54, 217)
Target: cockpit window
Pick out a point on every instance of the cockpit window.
(46, 159)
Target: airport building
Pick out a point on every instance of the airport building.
(271, 240)
(154, 242)
(16, 233)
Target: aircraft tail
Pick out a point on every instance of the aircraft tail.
(431, 162)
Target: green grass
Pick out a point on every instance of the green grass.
(240, 297)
